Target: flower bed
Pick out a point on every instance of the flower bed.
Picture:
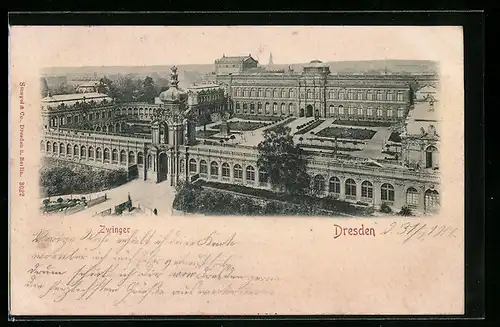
(363, 123)
(347, 133)
(308, 128)
(259, 117)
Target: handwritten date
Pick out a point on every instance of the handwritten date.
(420, 231)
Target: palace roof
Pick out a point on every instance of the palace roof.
(74, 97)
(233, 60)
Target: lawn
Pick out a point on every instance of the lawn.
(310, 127)
(244, 125)
(259, 117)
(326, 147)
(205, 135)
(347, 133)
(363, 123)
(395, 137)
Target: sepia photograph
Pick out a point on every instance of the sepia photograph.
(236, 170)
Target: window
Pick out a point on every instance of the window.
(284, 94)
(150, 161)
(334, 185)
(91, 152)
(332, 110)
(75, 150)
(237, 106)
(225, 170)
(360, 111)
(389, 96)
(401, 113)
(238, 172)
(275, 93)
(369, 95)
(389, 113)
(192, 166)
(106, 154)
(341, 95)
(309, 94)
(379, 112)
(245, 108)
(283, 109)
(267, 107)
(263, 177)
(380, 96)
(331, 95)
(252, 108)
(54, 147)
(431, 199)
(316, 94)
(254, 94)
(83, 151)
(115, 155)
(412, 197)
(203, 167)
(369, 111)
(367, 190)
(140, 158)
(400, 96)
(131, 157)
(341, 109)
(261, 93)
(351, 95)
(250, 173)
(350, 187)
(98, 153)
(68, 149)
(275, 108)
(123, 156)
(214, 168)
(292, 93)
(387, 192)
(245, 93)
(268, 93)
(360, 95)
(182, 165)
(259, 108)
(291, 109)
(318, 184)
(350, 110)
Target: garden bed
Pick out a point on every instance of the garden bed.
(259, 117)
(363, 123)
(243, 125)
(395, 137)
(326, 147)
(347, 133)
(310, 127)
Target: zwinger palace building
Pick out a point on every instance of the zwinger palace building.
(171, 153)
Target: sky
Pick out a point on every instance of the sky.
(70, 46)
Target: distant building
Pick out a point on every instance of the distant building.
(52, 101)
(87, 87)
(425, 92)
(230, 65)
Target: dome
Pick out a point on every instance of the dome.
(173, 94)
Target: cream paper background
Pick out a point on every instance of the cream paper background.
(317, 273)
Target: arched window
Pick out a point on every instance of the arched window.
(411, 197)
(106, 154)
(389, 96)
(54, 147)
(123, 156)
(341, 95)
(369, 111)
(360, 95)
(431, 157)
(387, 192)
(369, 95)
(275, 93)
(261, 94)
(334, 185)
(350, 110)
(268, 93)
(69, 149)
(62, 148)
(351, 94)
(401, 112)
(350, 187)
(83, 151)
(431, 199)
(203, 167)
(131, 157)
(267, 107)
(360, 111)
(259, 108)
(254, 94)
(245, 92)
(389, 112)
(380, 96)
(291, 92)
(309, 94)
(214, 168)
(192, 166)
(275, 108)
(367, 190)
(283, 109)
(75, 150)
(49, 147)
(98, 153)
(150, 161)
(319, 184)
(400, 96)
(250, 173)
(263, 177)
(284, 93)
(91, 152)
(226, 171)
(379, 112)
(237, 172)
(331, 94)
(114, 155)
(237, 106)
(291, 109)
(140, 158)
(332, 110)
(252, 108)
(341, 109)
(245, 108)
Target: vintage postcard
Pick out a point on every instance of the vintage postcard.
(229, 170)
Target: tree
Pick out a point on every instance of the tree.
(283, 161)
(148, 90)
(44, 87)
